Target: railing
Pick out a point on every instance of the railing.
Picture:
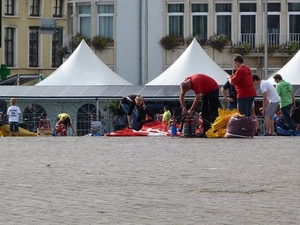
(82, 126)
(274, 39)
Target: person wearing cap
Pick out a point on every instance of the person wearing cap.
(243, 81)
(207, 88)
(65, 119)
(130, 104)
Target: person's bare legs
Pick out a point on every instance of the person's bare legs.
(269, 122)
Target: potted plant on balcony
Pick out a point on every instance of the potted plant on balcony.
(169, 42)
(271, 49)
(75, 41)
(202, 41)
(218, 41)
(241, 48)
(99, 42)
(62, 51)
(290, 48)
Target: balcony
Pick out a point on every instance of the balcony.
(278, 44)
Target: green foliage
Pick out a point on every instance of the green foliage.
(75, 41)
(290, 48)
(271, 48)
(100, 42)
(241, 48)
(169, 42)
(202, 41)
(62, 50)
(218, 41)
(113, 106)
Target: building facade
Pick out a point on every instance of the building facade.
(136, 27)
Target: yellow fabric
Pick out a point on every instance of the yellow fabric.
(63, 116)
(218, 128)
(22, 132)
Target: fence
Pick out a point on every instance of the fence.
(274, 39)
(82, 126)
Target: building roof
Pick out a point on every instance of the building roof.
(102, 92)
(83, 67)
(193, 60)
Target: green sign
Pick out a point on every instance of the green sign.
(4, 71)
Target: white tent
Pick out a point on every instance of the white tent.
(193, 60)
(290, 71)
(83, 67)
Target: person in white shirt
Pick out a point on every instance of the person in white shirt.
(270, 103)
(13, 113)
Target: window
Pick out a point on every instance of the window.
(199, 20)
(56, 43)
(34, 48)
(58, 8)
(248, 23)
(294, 21)
(35, 8)
(84, 114)
(106, 20)
(274, 23)
(9, 46)
(223, 14)
(175, 19)
(9, 7)
(85, 20)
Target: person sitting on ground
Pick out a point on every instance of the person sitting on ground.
(65, 119)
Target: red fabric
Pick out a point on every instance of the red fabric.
(154, 127)
(127, 132)
(202, 84)
(61, 130)
(243, 81)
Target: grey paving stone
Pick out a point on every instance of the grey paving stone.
(149, 180)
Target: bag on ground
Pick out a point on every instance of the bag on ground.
(240, 126)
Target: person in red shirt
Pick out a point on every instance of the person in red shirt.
(209, 88)
(243, 81)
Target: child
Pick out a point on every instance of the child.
(13, 113)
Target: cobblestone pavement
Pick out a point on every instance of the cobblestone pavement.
(149, 180)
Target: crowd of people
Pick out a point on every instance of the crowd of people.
(238, 92)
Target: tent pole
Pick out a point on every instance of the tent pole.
(97, 110)
(265, 26)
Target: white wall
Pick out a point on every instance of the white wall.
(139, 68)
(155, 33)
(127, 36)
